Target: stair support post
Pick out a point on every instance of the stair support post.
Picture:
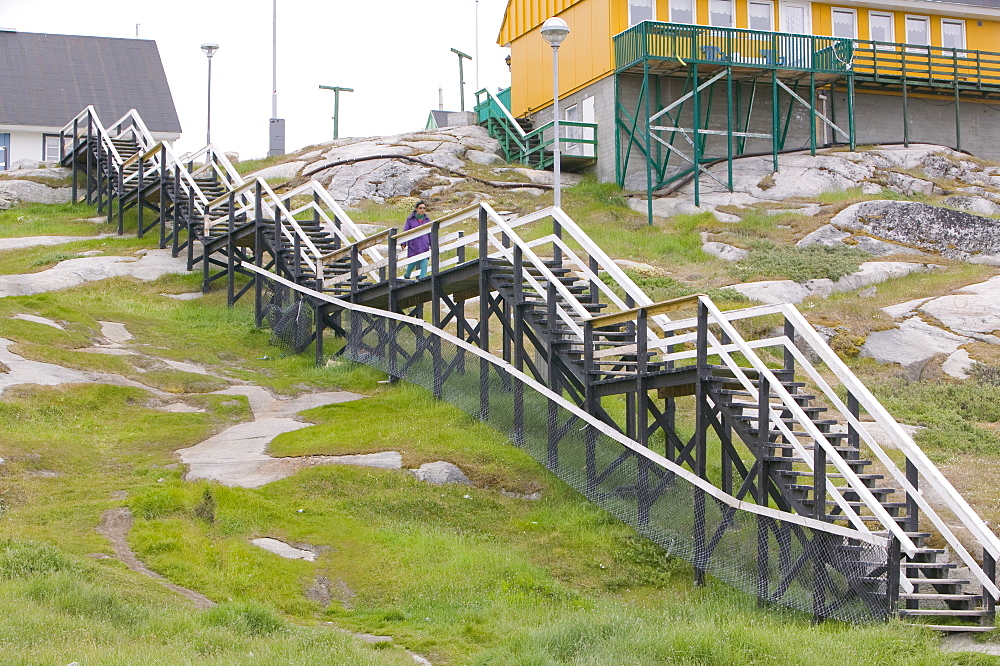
(819, 481)
(355, 266)
(101, 165)
(76, 165)
(318, 311)
(175, 218)
(989, 603)
(163, 197)
(641, 380)
(763, 438)
(230, 249)
(139, 197)
(90, 159)
(435, 271)
(892, 571)
(258, 279)
(121, 203)
(190, 230)
(912, 512)
(519, 308)
(701, 431)
(484, 316)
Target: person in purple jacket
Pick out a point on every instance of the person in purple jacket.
(420, 244)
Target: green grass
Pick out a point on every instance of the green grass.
(459, 574)
(769, 261)
(48, 220)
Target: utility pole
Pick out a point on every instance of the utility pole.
(461, 77)
(276, 129)
(336, 105)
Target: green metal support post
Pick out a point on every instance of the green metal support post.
(774, 118)
(696, 125)
(729, 127)
(649, 155)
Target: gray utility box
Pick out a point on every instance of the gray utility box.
(276, 146)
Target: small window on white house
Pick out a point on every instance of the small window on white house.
(50, 147)
(880, 29)
(760, 16)
(952, 34)
(639, 11)
(720, 13)
(845, 23)
(682, 11)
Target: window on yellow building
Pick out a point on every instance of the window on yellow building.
(682, 11)
(639, 11)
(845, 23)
(918, 32)
(880, 29)
(795, 18)
(720, 13)
(952, 34)
(760, 16)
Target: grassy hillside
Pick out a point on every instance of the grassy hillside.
(458, 574)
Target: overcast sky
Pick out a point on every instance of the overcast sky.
(394, 53)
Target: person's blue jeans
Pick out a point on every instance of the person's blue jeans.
(423, 268)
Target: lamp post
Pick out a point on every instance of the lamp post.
(209, 50)
(461, 77)
(336, 105)
(554, 31)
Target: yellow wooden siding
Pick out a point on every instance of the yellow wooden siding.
(582, 60)
(587, 54)
(523, 16)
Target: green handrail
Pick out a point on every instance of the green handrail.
(731, 46)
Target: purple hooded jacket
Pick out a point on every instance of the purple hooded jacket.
(420, 244)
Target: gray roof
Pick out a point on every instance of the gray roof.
(47, 80)
(989, 4)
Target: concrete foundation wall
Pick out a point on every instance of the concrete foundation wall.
(878, 119)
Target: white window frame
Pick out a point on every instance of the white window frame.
(52, 139)
(692, 6)
(892, 28)
(807, 18)
(960, 22)
(845, 10)
(732, 13)
(926, 20)
(652, 13)
(770, 3)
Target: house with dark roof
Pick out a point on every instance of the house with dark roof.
(46, 80)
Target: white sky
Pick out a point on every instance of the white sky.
(394, 68)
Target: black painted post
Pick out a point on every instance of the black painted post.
(163, 197)
(139, 196)
(319, 333)
(641, 392)
(853, 437)
(461, 248)
(763, 437)
(76, 165)
(989, 603)
(90, 130)
(100, 177)
(230, 249)
(355, 266)
(763, 561)
(121, 203)
(484, 316)
(435, 270)
(519, 308)
(175, 217)
(258, 279)
(892, 578)
(912, 512)
(595, 296)
(190, 230)
(789, 360)
(701, 393)
(819, 481)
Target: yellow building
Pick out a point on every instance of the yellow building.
(671, 84)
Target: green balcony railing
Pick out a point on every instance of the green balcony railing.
(934, 66)
(731, 46)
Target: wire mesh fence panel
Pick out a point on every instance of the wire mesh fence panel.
(288, 314)
(790, 561)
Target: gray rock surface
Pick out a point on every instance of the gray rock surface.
(774, 292)
(724, 251)
(953, 234)
(282, 549)
(283, 171)
(911, 345)
(13, 192)
(440, 473)
(150, 265)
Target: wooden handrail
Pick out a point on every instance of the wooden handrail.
(363, 244)
(663, 307)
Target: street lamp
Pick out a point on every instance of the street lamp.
(554, 31)
(209, 49)
(336, 105)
